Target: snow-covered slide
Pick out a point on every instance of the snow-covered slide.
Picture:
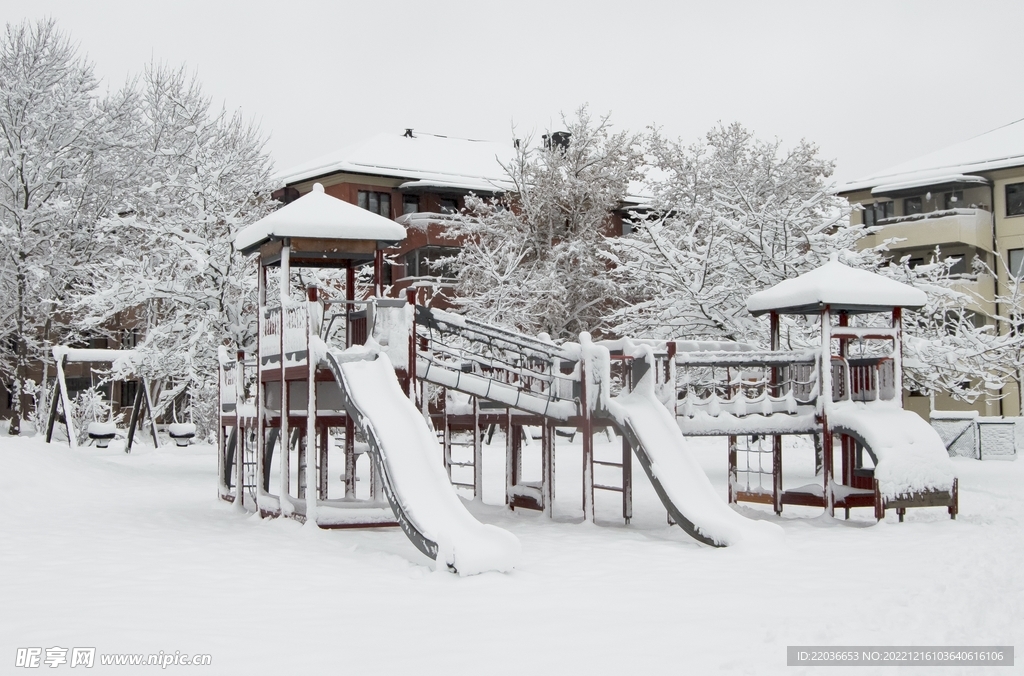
(909, 455)
(406, 453)
(678, 479)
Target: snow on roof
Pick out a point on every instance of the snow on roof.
(996, 149)
(317, 214)
(839, 286)
(933, 180)
(477, 186)
(419, 157)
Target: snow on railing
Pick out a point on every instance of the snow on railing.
(745, 383)
(870, 379)
(294, 338)
(468, 351)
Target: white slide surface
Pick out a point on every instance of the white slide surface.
(406, 451)
(679, 480)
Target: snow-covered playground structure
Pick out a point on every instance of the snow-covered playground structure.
(385, 367)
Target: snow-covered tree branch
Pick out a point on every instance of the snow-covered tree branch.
(533, 260)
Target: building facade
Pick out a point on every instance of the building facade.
(417, 179)
(967, 200)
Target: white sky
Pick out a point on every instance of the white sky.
(872, 83)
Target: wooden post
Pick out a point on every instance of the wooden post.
(350, 297)
(587, 425)
(322, 469)
(776, 343)
(239, 470)
(777, 473)
(239, 435)
(825, 380)
(262, 470)
(670, 375)
(627, 482)
(285, 440)
(378, 270)
(350, 457)
(547, 453)
(733, 473)
(509, 459)
(152, 412)
(311, 447)
(897, 351)
(136, 416)
(478, 453)
(410, 298)
(52, 417)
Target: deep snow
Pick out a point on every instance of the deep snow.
(134, 553)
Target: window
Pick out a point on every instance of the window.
(129, 339)
(955, 199)
(1015, 199)
(410, 204)
(1016, 262)
(449, 205)
(76, 385)
(959, 265)
(911, 205)
(377, 202)
(914, 262)
(129, 390)
(873, 213)
(425, 262)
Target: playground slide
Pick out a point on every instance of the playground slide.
(678, 479)
(406, 452)
(909, 454)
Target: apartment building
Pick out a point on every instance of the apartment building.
(416, 179)
(968, 200)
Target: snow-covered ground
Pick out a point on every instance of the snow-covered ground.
(134, 553)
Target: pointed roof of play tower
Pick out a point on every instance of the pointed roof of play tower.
(838, 286)
(343, 230)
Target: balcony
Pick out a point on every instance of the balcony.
(972, 227)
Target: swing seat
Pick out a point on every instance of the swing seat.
(102, 433)
(182, 433)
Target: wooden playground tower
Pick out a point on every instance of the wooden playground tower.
(469, 377)
(855, 363)
(298, 402)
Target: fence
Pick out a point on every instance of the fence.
(967, 435)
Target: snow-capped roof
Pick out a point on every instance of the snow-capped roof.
(996, 149)
(318, 215)
(838, 286)
(423, 157)
(920, 182)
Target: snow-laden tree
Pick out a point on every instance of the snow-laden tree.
(172, 268)
(56, 176)
(532, 261)
(1009, 321)
(948, 345)
(953, 344)
(729, 216)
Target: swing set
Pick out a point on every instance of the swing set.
(101, 433)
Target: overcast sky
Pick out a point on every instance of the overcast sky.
(872, 83)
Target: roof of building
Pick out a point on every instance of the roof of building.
(441, 161)
(321, 216)
(997, 149)
(838, 286)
